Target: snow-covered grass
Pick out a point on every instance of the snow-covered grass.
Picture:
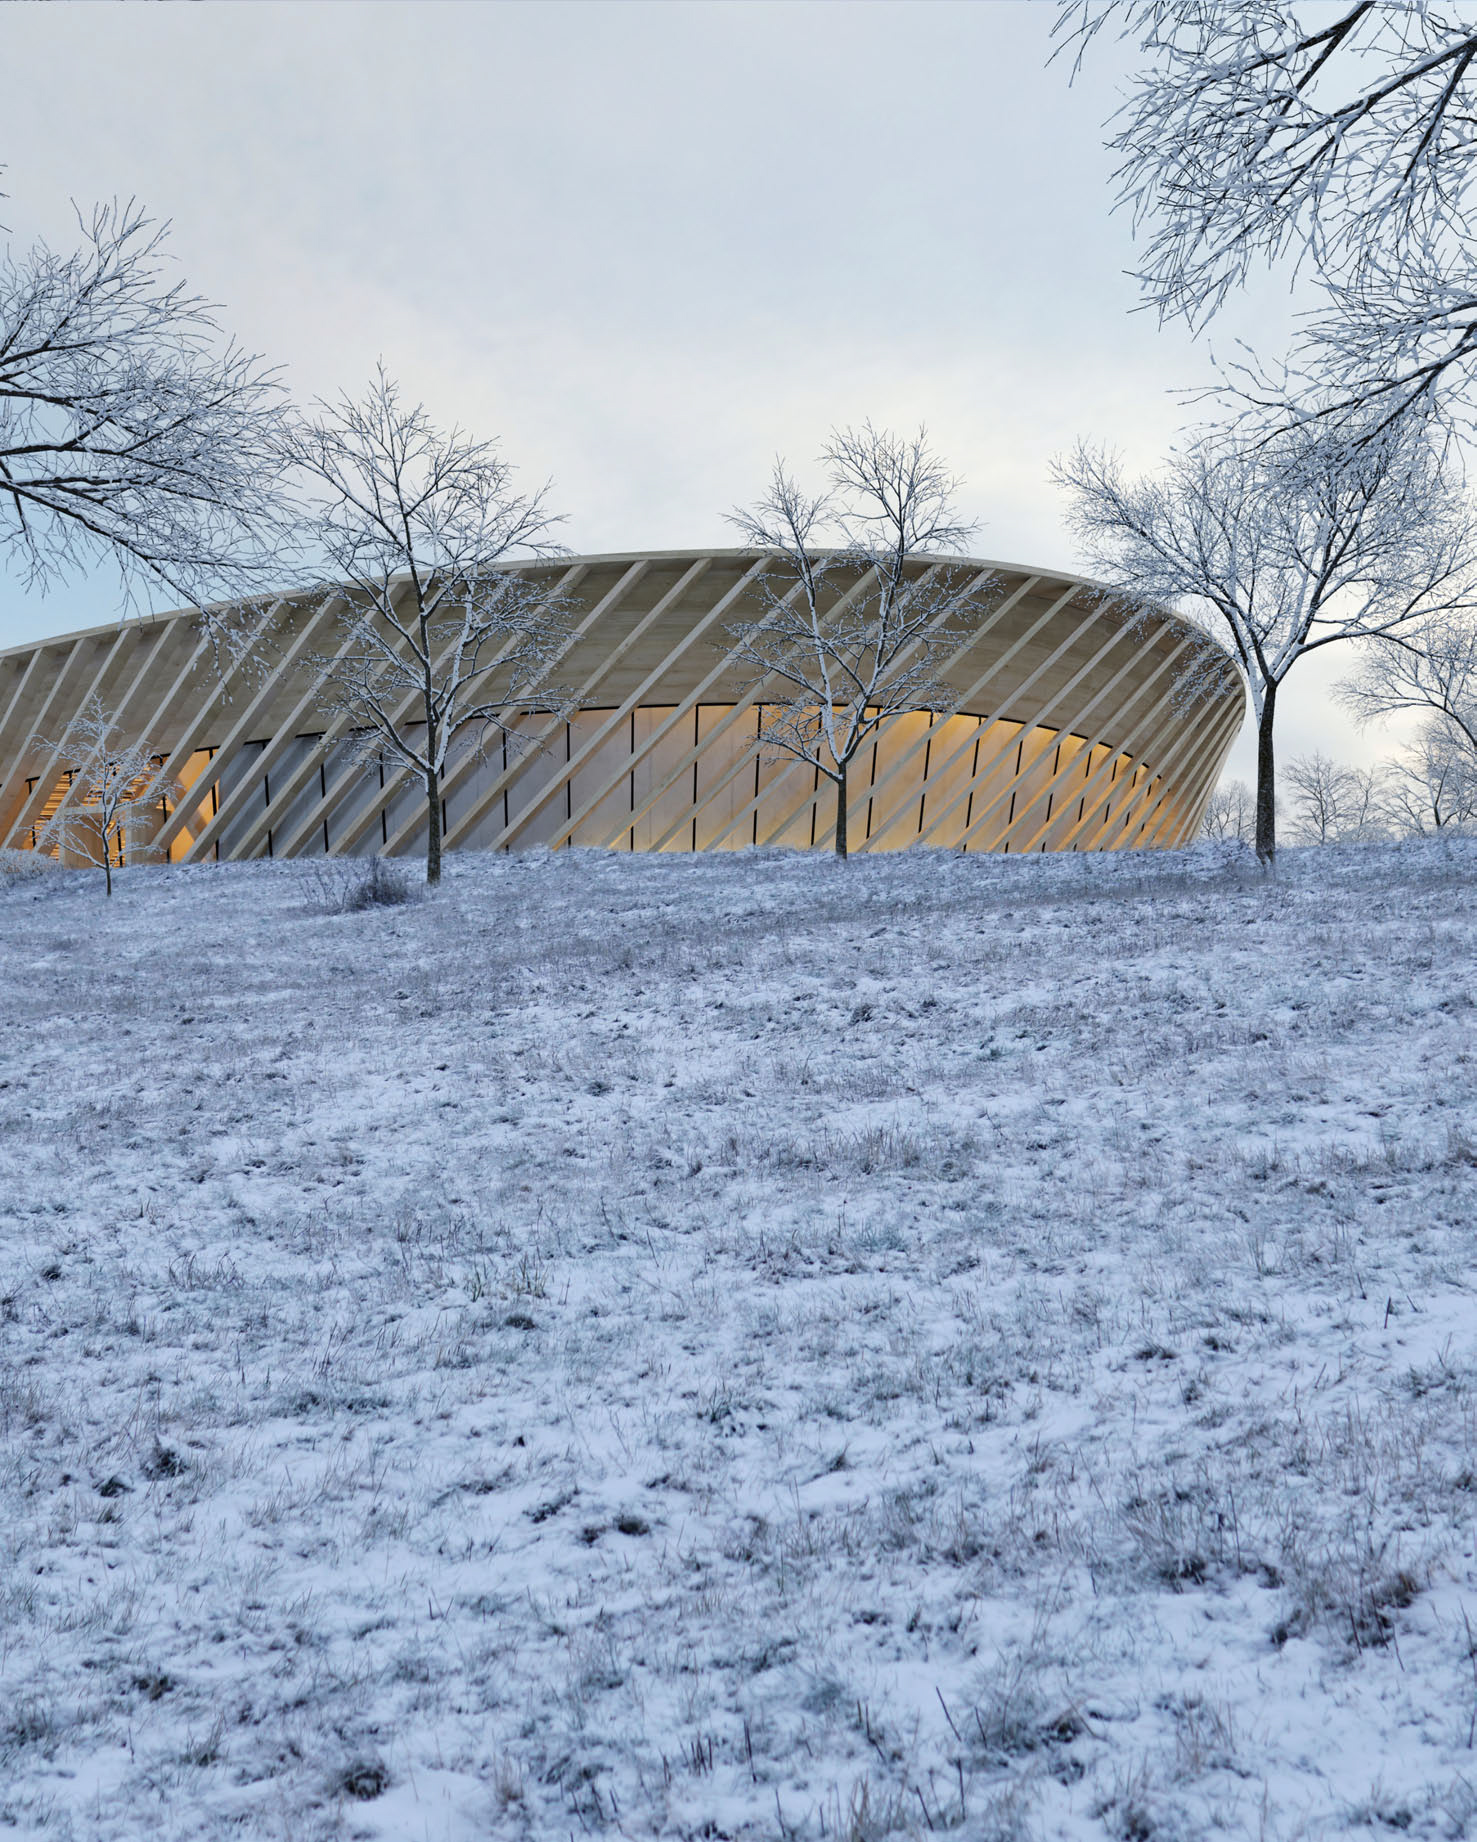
(741, 1346)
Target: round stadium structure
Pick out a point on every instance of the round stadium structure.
(1072, 724)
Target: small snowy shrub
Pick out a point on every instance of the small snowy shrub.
(380, 885)
(363, 1780)
(25, 866)
(348, 888)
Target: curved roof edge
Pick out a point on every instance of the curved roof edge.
(566, 560)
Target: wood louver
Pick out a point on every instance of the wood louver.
(1074, 723)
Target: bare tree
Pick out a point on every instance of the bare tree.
(415, 529)
(1432, 785)
(128, 433)
(1282, 545)
(1317, 785)
(1334, 803)
(1431, 667)
(1230, 813)
(1344, 136)
(861, 605)
(114, 784)
(1365, 817)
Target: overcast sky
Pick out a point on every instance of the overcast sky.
(648, 246)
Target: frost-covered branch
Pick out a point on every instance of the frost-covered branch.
(1333, 803)
(114, 783)
(863, 603)
(128, 433)
(1432, 785)
(1340, 138)
(414, 530)
(1282, 545)
(1230, 813)
(1431, 667)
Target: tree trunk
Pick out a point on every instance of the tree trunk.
(433, 827)
(841, 811)
(1266, 782)
(107, 865)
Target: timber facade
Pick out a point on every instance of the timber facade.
(1072, 724)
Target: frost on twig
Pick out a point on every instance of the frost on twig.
(1282, 544)
(1429, 670)
(129, 433)
(114, 788)
(864, 604)
(437, 637)
(1338, 139)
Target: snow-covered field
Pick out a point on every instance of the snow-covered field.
(742, 1346)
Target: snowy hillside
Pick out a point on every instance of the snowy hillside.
(741, 1347)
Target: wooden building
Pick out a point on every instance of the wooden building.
(1073, 724)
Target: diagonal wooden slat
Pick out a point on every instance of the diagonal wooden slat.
(1127, 774)
(1196, 816)
(1169, 827)
(209, 710)
(753, 699)
(751, 756)
(30, 810)
(23, 679)
(240, 731)
(260, 832)
(1192, 745)
(963, 706)
(236, 800)
(1131, 768)
(578, 758)
(824, 788)
(1069, 724)
(939, 721)
(1167, 733)
(13, 781)
(36, 729)
(1076, 726)
(1158, 818)
(1119, 749)
(241, 802)
(1202, 774)
(534, 744)
(253, 842)
(980, 775)
(1129, 784)
(164, 637)
(573, 761)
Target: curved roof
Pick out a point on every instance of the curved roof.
(1050, 651)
